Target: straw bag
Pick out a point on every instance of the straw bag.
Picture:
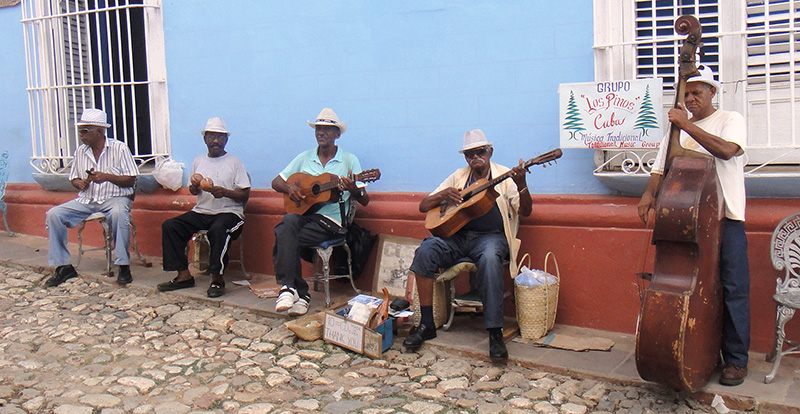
(536, 305)
(309, 327)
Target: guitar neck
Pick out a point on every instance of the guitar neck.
(494, 181)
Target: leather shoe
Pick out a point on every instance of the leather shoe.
(420, 335)
(216, 289)
(61, 275)
(174, 284)
(124, 277)
(497, 347)
(732, 375)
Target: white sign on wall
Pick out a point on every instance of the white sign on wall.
(611, 115)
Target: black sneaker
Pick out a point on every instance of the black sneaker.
(418, 337)
(216, 289)
(174, 284)
(124, 277)
(61, 275)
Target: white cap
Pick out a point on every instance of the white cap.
(474, 139)
(705, 76)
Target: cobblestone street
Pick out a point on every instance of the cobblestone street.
(89, 347)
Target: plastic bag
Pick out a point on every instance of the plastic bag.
(533, 277)
(169, 173)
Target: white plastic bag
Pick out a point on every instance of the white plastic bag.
(534, 277)
(169, 173)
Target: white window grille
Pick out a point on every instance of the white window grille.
(751, 45)
(106, 54)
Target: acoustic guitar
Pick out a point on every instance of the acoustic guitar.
(445, 219)
(320, 189)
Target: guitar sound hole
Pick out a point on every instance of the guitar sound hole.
(315, 189)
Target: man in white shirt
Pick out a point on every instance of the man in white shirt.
(721, 134)
(219, 209)
(104, 172)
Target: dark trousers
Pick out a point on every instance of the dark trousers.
(177, 231)
(487, 251)
(292, 234)
(734, 274)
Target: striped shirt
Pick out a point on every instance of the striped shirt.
(115, 159)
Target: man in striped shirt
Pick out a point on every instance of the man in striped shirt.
(104, 173)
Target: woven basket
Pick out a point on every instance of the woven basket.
(536, 305)
(309, 327)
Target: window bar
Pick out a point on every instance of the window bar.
(84, 42)
(793, 69)
(98, 48)
(28, 40)
(50, 100)
(123, 89)
(768, 69)
(70, 126)
(131, 85)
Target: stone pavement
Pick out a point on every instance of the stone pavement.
(90, 346)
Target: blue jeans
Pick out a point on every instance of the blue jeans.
(486, 250)
(734, 274)
(68, 215)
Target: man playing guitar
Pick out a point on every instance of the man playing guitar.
(297, 231)
(487, 240)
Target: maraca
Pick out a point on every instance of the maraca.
(207, 184)
(196, 178)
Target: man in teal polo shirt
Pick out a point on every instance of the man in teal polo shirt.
(297, 231)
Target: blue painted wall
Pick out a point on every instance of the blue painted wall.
(408, 77)
(15, 126)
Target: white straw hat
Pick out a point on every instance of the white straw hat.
(474, 139)
(705, 76)
(215, 124)
(328, 117)
(93, 117)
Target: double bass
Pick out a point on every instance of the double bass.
(679, 331)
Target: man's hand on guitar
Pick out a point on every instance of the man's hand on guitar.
(348, 184)
(294, 192)
(518, 174)
(451, 196)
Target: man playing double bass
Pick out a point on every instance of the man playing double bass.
(721, 134)
(487, 240)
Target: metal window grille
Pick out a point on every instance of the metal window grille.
(654, 22)
(751, 45)
(772, 40)
(105, 54)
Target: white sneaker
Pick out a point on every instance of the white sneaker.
(300, 307)
(286, 299)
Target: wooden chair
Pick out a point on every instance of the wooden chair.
(785, 254)
(202, 237)
(322, 257)
(3, 182)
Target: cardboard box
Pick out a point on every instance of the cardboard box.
(356, 336)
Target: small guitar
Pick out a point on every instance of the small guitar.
(446, 219)
(320, 189)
